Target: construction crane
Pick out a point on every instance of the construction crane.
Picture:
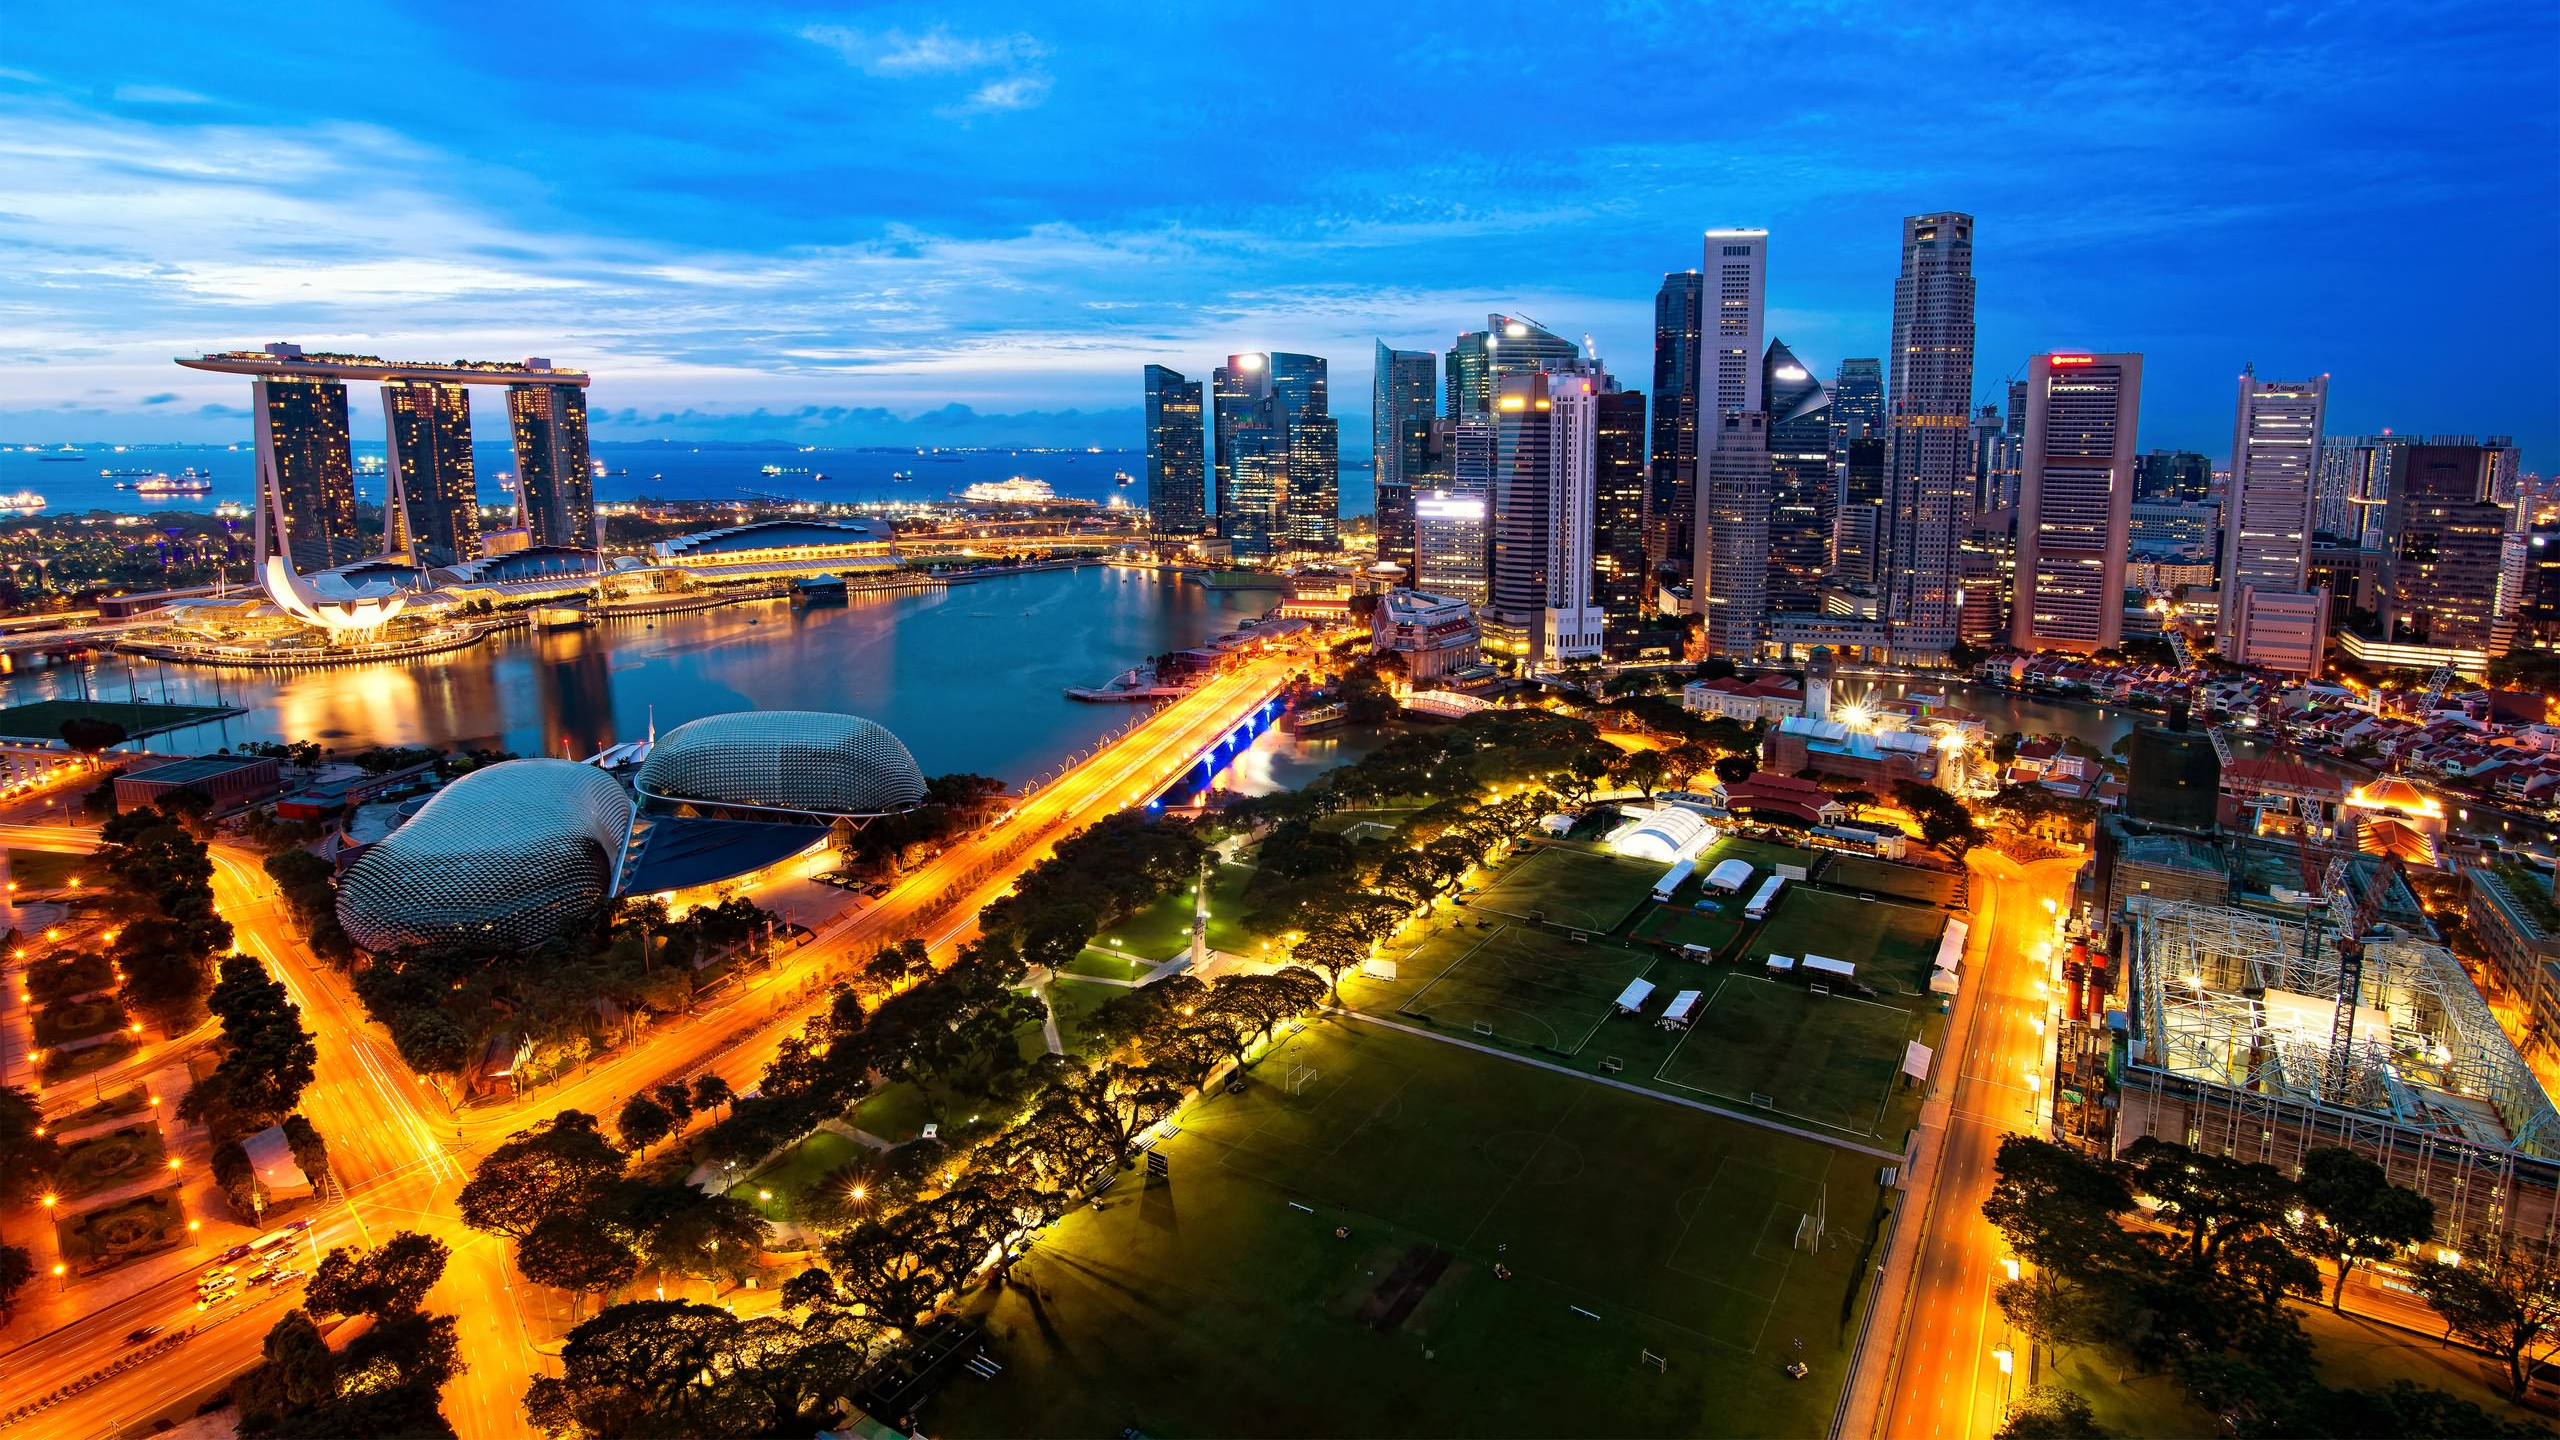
(2437, 684)
(2342, 1030)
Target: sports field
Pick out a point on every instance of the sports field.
(1221, 1301)
(1858, 872)
(1576, 888)
(1680, 925)
(1891, 944)
(1829, 1059)
(1531, 986)
(1760, 855)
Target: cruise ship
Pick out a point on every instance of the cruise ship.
(1020, 490)
(189, 481)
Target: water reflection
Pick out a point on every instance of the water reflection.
(972, 677)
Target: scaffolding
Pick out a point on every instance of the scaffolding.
(2232, 1043)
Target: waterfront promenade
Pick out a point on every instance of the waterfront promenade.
(402, 1155)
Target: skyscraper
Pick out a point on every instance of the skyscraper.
(2354, 486)
(2269, 615)
(1575, 625)
(1277, 451)
(2075, 502)
(1929, 396)
(2175, 477)
(1672, 506)
(1731, 548)
(1541, 604)
(1315, 483)
(1860, 532)
(1857, 403)
(1800, 482)
(1617, 514)
(1451, 533)
(1240, 396)
(553, 476)
(1508, 345)
(304, 452)
(1177, 468)
(1400, 415)
(437, 505)
(2445, 573)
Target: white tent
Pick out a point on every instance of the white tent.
(1951, 944)
(1782, 964)
(1915, 1060)
(1825, 965)
(1729, 875)
(1677, 1017)
(1664, 833)
(1633, 997)
(1557, 825)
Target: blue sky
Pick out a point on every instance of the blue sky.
(824, 222)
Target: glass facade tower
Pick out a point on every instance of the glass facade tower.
(1801, 509)
(553, 476)
(434, 486)
(1673, 501)
(305, 455)
(1929, 404)
(1177, 467)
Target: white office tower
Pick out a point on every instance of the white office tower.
(1730, 549)
(1928, 404)
(2270, 614)
(1737, 281)
(1573, 620)
(2075, 502)
(1450, 530)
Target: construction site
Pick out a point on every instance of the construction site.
(2265, 1022)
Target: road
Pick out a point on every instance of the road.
(402, 1154)
(1946, 1382)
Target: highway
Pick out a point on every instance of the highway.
(1946, 1382)
(401, 1154)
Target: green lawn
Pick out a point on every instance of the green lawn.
(896, 1113)
(1102, 962)
(1163, 930)
(111, 1159)
(68, 1020)
(1680, 925)
(1860, 872)
(1533, 987)
(42, 719)
(1760, 855)
(1827, 1059)
(1576, 888)
(1891, 944)
(44, 869)
(797, 1168)
(1222, 1302)
(1071, 1001)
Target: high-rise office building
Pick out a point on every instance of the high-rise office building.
(1177, 463)
(1987, 562)
(1732, 546)
(2075, 502)
(1508, 345)
(1277, 451)
(2269, 614)
(305, 454)
(553, 477)
(1617, 515)
(2173, 477)
(1860, 532)
(2446, 584)
(431, 507)
(2353, 487)
(1451, 530)
(1401, 405)
(1575, 625)
(1801, 486)
(1929, 399)
(1672, 506)
(1857, 403)
(1541, 605)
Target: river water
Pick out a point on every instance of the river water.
(971, 678)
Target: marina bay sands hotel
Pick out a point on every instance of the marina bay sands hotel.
(306, 462)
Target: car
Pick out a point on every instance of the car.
(278, 1277)
(145, 1333)
(216, 1272)
(234, 1253)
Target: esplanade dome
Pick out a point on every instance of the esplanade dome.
(801, 762)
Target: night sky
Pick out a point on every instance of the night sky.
(818, 223)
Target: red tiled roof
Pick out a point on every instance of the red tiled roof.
(2281, 772)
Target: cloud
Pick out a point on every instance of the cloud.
(935, 52)
(223, 412)
(1018, 92)
(165, 397)
(159, 95)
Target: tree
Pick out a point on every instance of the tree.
(2212, 1200)
(2506, 1301)
(680, 1230)
(1334, 952)
(2050, 1412)
(310, 1152)
(393, 1280)
(643, 1122)
(677, 1097)
(28, 1156)
(1944, 822)
(16, 1269)
(1734, 769)
(267, 1058)
(561, 1164)
(2059, 1208)
(710, 1092)
(576, 1253)
(2352, 1211)
(431, 1043)
(2062, 1313)
(1644, 770)
(90, 734)
(297, 1371)
(676, 1368)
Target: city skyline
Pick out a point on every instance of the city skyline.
(1027, 295)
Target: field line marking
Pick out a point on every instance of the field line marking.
(1817, 1137)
